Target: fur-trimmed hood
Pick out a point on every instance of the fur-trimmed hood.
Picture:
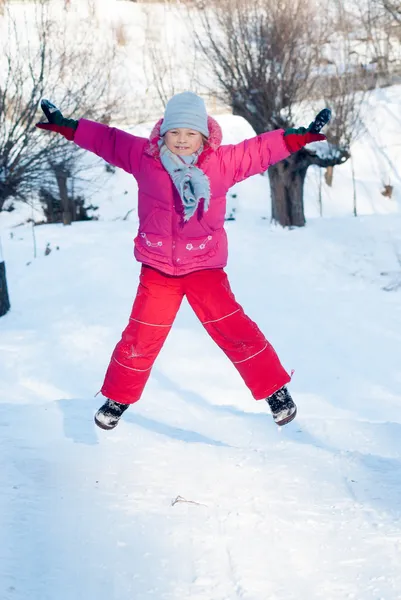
(213, 141)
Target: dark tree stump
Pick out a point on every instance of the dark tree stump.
(4, 300)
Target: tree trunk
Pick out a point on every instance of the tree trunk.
(287, 192)
(66, 203)
(4, 299)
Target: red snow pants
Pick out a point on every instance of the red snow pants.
(156, 304)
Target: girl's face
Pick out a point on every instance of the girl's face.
(183, 141)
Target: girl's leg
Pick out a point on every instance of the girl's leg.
(211, 298)
(155, 307)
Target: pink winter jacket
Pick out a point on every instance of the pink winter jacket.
(164, 241)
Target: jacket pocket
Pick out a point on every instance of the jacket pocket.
(154, 245)
(196, 249)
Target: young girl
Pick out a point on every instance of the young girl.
(183, 174)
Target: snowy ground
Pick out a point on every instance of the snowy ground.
(197, 495)
(309, 512)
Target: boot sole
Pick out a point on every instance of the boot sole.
(103, 426)
(287, 419)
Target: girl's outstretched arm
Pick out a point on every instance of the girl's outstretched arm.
(117, 147)
(254, 156)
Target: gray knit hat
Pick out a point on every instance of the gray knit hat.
(185, 110)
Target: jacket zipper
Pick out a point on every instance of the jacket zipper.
(175, 270)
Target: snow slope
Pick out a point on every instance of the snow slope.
(309, 512)
(197, 494)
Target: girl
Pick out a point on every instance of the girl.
(183, 174)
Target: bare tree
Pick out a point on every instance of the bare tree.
(266, 57)
(380, 32)
(47, 56)
(393, 7)
(167, 72)
(158, 60)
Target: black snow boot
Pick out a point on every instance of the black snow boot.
(108, 415)
(282, 406)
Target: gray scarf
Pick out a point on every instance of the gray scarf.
(191, 182)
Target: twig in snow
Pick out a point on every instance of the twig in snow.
(181, 499)
(395, 284)
(128, 213)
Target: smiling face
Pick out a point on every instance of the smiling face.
(183, 142)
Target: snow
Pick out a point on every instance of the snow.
(197, 494)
